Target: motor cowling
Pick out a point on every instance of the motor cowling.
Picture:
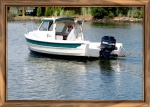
(108, 44)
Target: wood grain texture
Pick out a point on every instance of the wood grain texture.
(77, 2)
(3, 54)
(147, 53)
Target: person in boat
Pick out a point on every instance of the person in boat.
(79, 35)
(72, 31)
(70, 27)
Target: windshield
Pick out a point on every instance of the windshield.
(46, 26)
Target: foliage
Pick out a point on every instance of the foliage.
(85, 11)
(56, 11)
(111, 15)
(135, 12)
(11, 15)
(48, 11)
(69, 13)
(110, 12)
(141, 12)
(61, 12)
(96, 12)
(121, 11)
(39, 11)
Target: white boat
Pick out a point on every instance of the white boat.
(52, 37)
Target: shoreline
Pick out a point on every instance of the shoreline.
(85, 18)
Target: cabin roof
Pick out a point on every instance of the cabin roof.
(61, 19)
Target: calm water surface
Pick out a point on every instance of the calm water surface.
(42, 77)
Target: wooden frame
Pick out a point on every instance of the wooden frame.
(3, 53)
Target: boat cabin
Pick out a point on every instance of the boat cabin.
(62, 28)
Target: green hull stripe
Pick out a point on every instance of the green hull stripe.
(62, 45)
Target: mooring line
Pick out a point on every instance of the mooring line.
(126, 51)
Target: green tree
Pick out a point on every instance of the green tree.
(69, 13)
(110, 12)
(85, 11)
(137, 12)
(111, 15)
(39, 11)
(56, 11)
(98, 12)
(48, 11)
(122, 11)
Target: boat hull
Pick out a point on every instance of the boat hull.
(86, 49)
(57, 47)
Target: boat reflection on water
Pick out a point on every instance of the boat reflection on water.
(109, 66)
(57, 57)
(105, 66)
(60, 78)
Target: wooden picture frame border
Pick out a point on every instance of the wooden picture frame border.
(76, 3)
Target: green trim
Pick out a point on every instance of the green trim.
(61, 19)
(65, 18)
(47, 20)
(60, 45)
(68, 18)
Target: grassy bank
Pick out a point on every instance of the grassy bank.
(85, 18)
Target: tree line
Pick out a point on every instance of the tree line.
(111, 12)
(96, 12)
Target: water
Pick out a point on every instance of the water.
(42, 77)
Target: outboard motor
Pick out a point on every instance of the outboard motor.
(108, 44)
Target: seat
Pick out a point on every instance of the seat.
(59, 37)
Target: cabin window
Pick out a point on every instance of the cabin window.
(46, 26)
(60, 27)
